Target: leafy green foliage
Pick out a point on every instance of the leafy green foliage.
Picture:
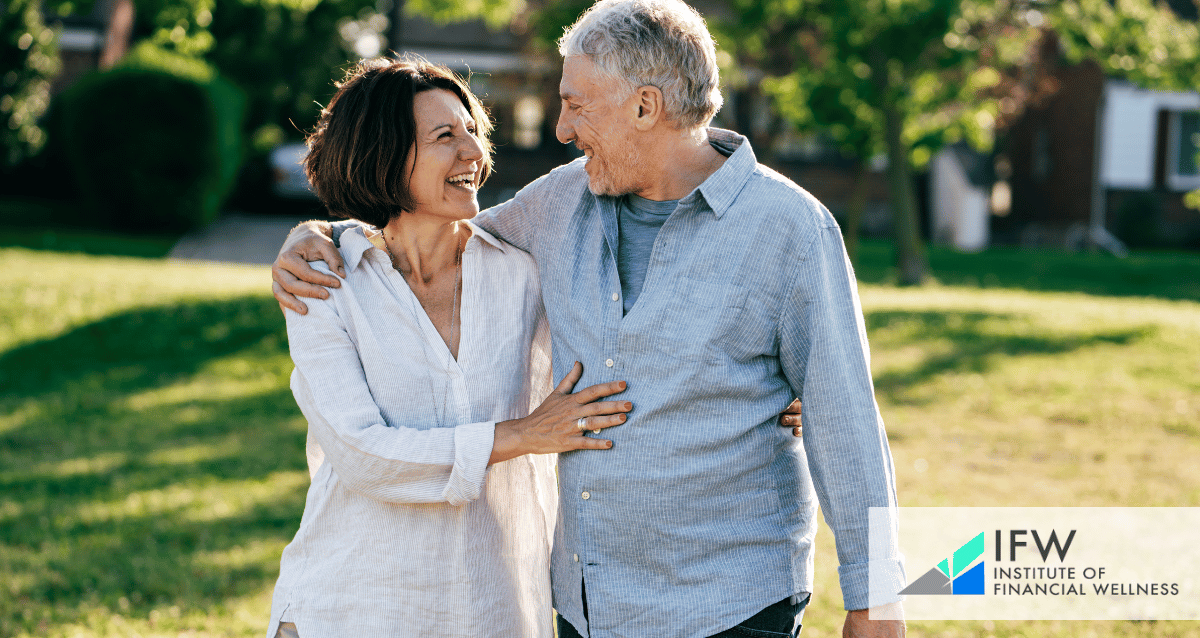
(494, 12)
(835, 65)
(28, 60)
(285, 54)
(548, 19)
(155, 143)
(1140, 40)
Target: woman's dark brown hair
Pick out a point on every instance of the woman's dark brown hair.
(358, 154)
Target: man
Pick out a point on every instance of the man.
(719, 289)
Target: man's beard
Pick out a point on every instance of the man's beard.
(618, 176)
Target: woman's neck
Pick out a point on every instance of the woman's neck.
(423, 245)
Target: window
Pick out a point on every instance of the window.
(1183, 171)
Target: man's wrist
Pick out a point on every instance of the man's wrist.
(887, 611)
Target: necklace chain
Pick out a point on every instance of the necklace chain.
(453, 324)
(457, 285)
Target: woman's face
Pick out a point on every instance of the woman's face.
(446, 158)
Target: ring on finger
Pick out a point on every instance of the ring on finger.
(581, 423)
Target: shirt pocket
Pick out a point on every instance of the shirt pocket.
(704, 315)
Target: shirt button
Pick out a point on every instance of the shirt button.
(609, 363)
(586, 495)
(576, 558)
(616, 297)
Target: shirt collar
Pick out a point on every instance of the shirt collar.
(722, 187)
(361, 238)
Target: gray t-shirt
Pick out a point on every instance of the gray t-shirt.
(638, 221)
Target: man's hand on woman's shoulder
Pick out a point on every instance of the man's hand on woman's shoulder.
(293, 277)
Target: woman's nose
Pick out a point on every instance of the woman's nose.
(472, 150)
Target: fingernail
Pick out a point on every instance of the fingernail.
(628, 405)
(622, 417)
(609, 444)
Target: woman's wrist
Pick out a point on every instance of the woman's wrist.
(506, 443)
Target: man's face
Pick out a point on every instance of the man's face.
(597, 117)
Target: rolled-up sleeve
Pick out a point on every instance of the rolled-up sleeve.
(388, 462)
(824, 354)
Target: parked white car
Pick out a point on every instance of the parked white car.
(287, 175)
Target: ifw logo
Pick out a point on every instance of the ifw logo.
(953, 576)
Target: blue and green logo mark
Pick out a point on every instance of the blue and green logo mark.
(961, 581)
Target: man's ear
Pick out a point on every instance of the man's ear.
(648, 100)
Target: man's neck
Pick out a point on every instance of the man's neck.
(677, 163)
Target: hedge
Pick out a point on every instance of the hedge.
(155, 143)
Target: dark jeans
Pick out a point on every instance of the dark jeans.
(781, 620)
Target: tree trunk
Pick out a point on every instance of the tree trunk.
(911, 259)
(855, 209)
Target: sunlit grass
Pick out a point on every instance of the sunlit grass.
(151, 455)
(1013, 398)
(152, 462)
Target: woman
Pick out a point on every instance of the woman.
(432, 500)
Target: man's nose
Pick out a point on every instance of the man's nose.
(564, 130)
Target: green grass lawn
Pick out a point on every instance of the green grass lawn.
(152, 463)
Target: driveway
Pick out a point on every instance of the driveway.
(236, 238)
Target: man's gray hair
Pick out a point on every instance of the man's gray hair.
(662, 43)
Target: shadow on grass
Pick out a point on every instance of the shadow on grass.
(978, 341)
(143, 457)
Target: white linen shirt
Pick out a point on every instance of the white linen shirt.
(406, 529)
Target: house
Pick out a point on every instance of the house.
(1101, 161)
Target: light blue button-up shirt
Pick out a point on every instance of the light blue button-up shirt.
(703, 512)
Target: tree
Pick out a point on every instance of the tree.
(1142, 41)
(902, 77)
(28, 61)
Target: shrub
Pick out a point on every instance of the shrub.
(1138, 220)
(154, 143)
